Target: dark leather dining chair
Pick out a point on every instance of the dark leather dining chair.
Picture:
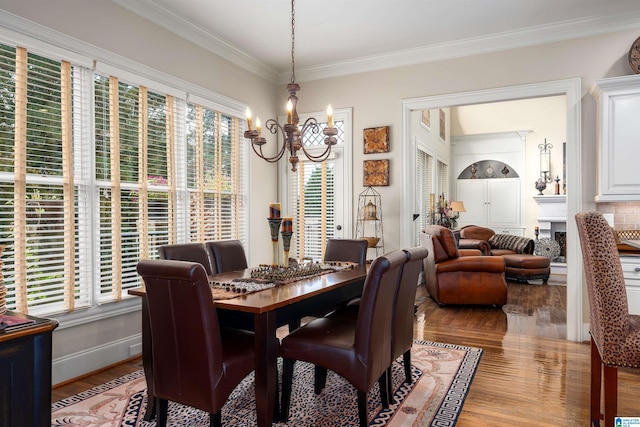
(193, 252)
(352, 250)
(615, 334)
(358, 351)
(195, 362)
(227, 255)
(403, 311)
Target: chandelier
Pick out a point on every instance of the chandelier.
(292, 133)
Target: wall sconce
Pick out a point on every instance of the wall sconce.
(545, 166)
(545, 160)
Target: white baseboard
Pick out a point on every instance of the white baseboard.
(89, 360)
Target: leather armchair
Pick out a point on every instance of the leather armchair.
(452, 277)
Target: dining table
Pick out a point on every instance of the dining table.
(263, 312)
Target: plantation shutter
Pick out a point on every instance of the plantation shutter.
(424, 190)
(443, 180)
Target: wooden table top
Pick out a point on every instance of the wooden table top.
(282, 295)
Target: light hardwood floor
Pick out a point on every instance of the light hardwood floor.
(529, 374)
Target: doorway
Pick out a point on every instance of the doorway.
(571, 88)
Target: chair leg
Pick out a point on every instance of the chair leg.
(384, 389)
(406, 357)
(215, 420)
(610, 395)
(596, 384)
(162, 409)
(363, 410)
(287, 382)
(389, 374)
(293, 325)
(320, 375)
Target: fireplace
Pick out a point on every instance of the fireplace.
(552, 220)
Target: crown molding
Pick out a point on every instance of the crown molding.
(525, 37)
(180, 26)
(531, 36)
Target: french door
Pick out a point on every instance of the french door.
(318, 195)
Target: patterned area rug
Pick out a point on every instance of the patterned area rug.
(442, 375)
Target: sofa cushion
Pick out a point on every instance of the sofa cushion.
(518, 244)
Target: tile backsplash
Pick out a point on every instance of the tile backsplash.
(626, 215)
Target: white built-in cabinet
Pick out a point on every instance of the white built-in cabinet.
(618, 135)
(488, 170)
(494, 203)
(631, 272)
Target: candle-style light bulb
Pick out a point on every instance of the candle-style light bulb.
(289, 112)
(249, 118)
(258, 125)
(330, 116)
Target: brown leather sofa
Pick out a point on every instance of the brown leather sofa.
(462, 276)
(521, 264)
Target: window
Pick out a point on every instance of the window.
(424, 190)
(80, 208)
(443, 180)
(313, 196)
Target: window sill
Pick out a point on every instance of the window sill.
(96, 313)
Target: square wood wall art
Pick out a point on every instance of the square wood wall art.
(426, 118)
(376, 140)
(376, 172)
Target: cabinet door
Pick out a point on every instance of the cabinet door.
(503, 205)
(473, 193)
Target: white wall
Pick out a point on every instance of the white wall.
(375, 98)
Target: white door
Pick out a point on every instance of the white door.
(474, 194)
(504, 201)
(318, 195)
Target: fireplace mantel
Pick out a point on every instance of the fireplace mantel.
(552, 218)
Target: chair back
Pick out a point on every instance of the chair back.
(445, 245)
(476, 232)
(193, 252)
(429, 263)
(373, 326)
(351, 250)
(227, 255)
(608, 306)
(403, 309)
(185, 335)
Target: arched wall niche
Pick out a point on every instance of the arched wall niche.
(488, 169)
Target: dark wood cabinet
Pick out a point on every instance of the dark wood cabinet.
(25, 375)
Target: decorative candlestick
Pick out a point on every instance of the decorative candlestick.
(286, 245)
(287, 232)
(274, 227)
(536, 231)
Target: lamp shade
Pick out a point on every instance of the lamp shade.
(457, 206)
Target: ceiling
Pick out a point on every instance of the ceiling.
(339, 37)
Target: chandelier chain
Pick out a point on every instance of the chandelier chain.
(293, 42)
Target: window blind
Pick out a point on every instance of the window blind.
(312, 196)
(424, 189)
(38, 194)
(79, 209)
